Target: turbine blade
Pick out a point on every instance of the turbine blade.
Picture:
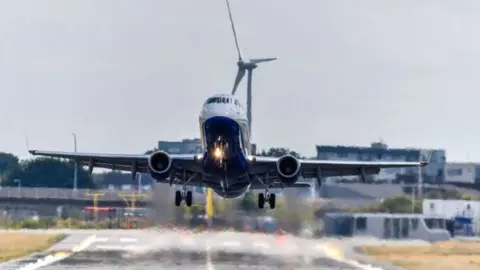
(234, 31)
(238, 79)
(261, 60)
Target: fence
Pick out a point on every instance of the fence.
(69, 194)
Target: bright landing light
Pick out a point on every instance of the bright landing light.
(217, 153)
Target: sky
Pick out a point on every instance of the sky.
(122, 74)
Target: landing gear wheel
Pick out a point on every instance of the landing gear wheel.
(261, 200)
(178, 198)
(271, 201)
(188, 198)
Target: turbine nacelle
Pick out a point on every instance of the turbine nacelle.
(249, 65)
(288, 169)
(243, 65)
(160, 165)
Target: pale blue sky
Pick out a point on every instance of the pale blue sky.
(123, 74)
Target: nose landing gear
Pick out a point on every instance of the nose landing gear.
(263, 197)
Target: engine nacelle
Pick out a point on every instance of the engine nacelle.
(288, 169)
(159, 165)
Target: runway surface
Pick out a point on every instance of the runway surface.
(170, 250)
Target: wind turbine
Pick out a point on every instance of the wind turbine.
(245, 66)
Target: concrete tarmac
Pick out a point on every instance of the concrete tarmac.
(151, 249)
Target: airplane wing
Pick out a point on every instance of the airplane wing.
(261, 165)
(122, 162)
(328, 168)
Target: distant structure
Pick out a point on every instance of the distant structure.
(462, 172)
(433, 172)
(185, 146)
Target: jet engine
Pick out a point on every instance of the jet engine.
(160, 165)
(288, 169)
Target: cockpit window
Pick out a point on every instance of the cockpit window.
(210, 101)
(229, 100)
(221, 100)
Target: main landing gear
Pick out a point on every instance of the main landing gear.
(183, 195)
(262, 197)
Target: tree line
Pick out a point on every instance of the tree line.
(41, 172)
(59, 173)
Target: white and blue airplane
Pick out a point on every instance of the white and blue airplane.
(226, 164)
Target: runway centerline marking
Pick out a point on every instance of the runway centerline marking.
(208, 255)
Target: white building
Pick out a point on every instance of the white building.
(462, 172)
(451, 208)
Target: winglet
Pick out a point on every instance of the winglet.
(26, 144)
(426, 162)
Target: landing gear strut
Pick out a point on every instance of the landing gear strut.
(184, 194)
(262, 197)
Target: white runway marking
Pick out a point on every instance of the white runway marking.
(118, 247)
(337, 255)
(209, 263)
(261, 244)
(51, 259)
(231, 244)
(102, 239)
(128, 240)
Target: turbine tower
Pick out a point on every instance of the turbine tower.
(243, 67)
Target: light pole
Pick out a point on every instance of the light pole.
(75, 170)
(19, 182)
(139, 183)
(420, 177)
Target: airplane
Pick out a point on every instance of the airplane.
(226, 164)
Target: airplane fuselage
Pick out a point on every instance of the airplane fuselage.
(225, 141)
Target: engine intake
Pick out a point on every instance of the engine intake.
(288, 169)
(160, 164)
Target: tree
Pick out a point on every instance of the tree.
(197, 209)
(8, 162)
(446, 194)
(248, 203)
(400, 204)
(397, 204)
(148, 152)
(9, 166)
(278, 152)
(49, 172)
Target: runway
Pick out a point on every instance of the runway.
(171, 250)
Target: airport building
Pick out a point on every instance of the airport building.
(433, 172)
(185, 146)
(462, 172)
